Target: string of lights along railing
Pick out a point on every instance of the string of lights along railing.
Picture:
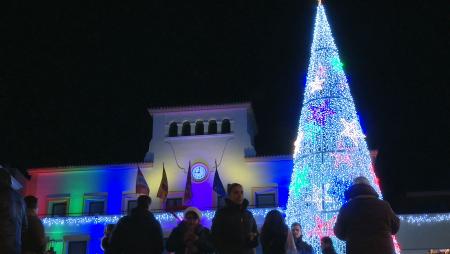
(163, 218)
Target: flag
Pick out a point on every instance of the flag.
(141, 184)
(163, 186)
(217, 184)
(188, 188)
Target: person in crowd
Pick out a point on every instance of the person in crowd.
(51, 251)
(275, 236)
(34, 240)
(302, 246)
(106, 238)
(190, 237)
(13, 221)
(138, 232)
(326, 245)
(365, 222)
(234, 229)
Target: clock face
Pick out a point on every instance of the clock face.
(199, 172)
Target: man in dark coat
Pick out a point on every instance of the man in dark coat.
(302, 246)
(13, 221)
(34, 240)
(234, 229)
(190, 237)
(139, 232)
(365, 222)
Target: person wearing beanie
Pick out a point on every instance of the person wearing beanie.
(365, 222)
(190, 237)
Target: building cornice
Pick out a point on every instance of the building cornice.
(269, 158)
(78, 168)
(179, 109)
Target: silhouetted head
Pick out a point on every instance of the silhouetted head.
(31, 202)
(192, 216)
(296, 230)
(326, 243)
(361, 180)
(274, 217)
(236, 193)
(143, 202)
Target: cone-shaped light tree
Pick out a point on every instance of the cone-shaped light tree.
(330, 150)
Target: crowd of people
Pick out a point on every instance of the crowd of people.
(364, 222)
(21, 230)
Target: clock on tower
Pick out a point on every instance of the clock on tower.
(200, 172)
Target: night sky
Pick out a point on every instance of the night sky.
(76, 80)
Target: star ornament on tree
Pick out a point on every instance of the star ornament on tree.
(316, 85)
(323, 228)
(322, 112)
(351, 130)
(301, 179)
(337, 64)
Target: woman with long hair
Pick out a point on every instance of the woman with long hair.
(275, 235)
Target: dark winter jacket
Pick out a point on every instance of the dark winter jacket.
(137, 233)
(34, 240)
(176, 242)
(302, 247)
(13, 220)
(105, 244)
(366, 223)
(231, 229)
(274, 242)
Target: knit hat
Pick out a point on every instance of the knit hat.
(361, 180)
(194, 210)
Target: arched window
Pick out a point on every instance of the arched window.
(199, 128)
(173, 129)
(212, 127)
(226, 127)
(186, 129)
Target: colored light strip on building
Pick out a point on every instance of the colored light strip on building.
(163, 218)
(166, 217)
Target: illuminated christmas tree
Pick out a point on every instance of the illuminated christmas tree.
(330, 150)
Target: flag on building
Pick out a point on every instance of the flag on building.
(217, 184)
(163, 186)
(188, 188)
(141, 184)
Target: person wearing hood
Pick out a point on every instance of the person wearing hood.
(138, 232)
(234, 229)
(13, 220)
(190, 237)
(365, 222)
(302, 246)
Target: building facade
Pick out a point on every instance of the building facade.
(76, 202)
(205, 138)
